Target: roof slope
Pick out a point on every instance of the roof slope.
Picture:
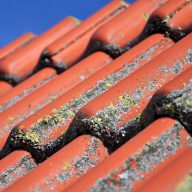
(103, 104)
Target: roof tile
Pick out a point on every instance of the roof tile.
(26, 87)
(129, 166)
(131, 28)
(49, 123)
(64, 167)
(173, 19)
(25, 60)
(114, 116)
(177, 172)
(4, 87)
(174, 100)
(71, 47)
(15, 166)
(118, 120)
(17, 43)
(50, 91)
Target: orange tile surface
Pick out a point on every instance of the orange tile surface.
(15, 166)
(19, 42)
(50, 91)
(25, 60)
(4, 87)
(178, 176)
(129, 167)
(174, 18)
(64, 167)
(50, 117)
(100, 105)
(72, 47)
(26, 87)
(131, 27)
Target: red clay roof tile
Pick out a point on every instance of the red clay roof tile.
(65, 166)
(4, 87)
(49, 123)
(131, 24)
(125, 102)
(14, 45)
(50, 91)
(174, 18)
(15, 166)
(24, 61)
(174, 100)
(178, 175)
(114, 116)
(26, 87)
(71, 47)
(137, 160)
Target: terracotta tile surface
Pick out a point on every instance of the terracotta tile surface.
(50, 91)
(131, 166)
(15, 166)
(14, 45)
(174, 18)
(25, 60)
(119, 119)
(71, 47)
(131, 27)
(4, 87)
(26, 87)
(48, 123)
(64, 167)
(174, 100)
(178, 175)
(115, 115)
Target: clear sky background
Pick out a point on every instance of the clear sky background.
(20, 16)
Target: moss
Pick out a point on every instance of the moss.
(68, 110)
(46, 119)
(185, 185)
(188, 102)
(66, 166)
(170, 107)
(29, 135)
(53, 97)
(167, 19)
(145, 16)
(127, 100)
(57, 118)
(32, 136)
(70, 113)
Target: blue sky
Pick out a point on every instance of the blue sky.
(20, 16)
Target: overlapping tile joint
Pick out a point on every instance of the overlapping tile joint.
(103, 104)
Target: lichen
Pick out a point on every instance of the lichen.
(73, 168)
(176, 69)
(28, 136)
(108, 123)
(145, 16)
(60, 116)
(66, 166)
(186, 184)
(23, 94)
(142, 162)
(13, 172)
(168, 17)
(176, 103)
